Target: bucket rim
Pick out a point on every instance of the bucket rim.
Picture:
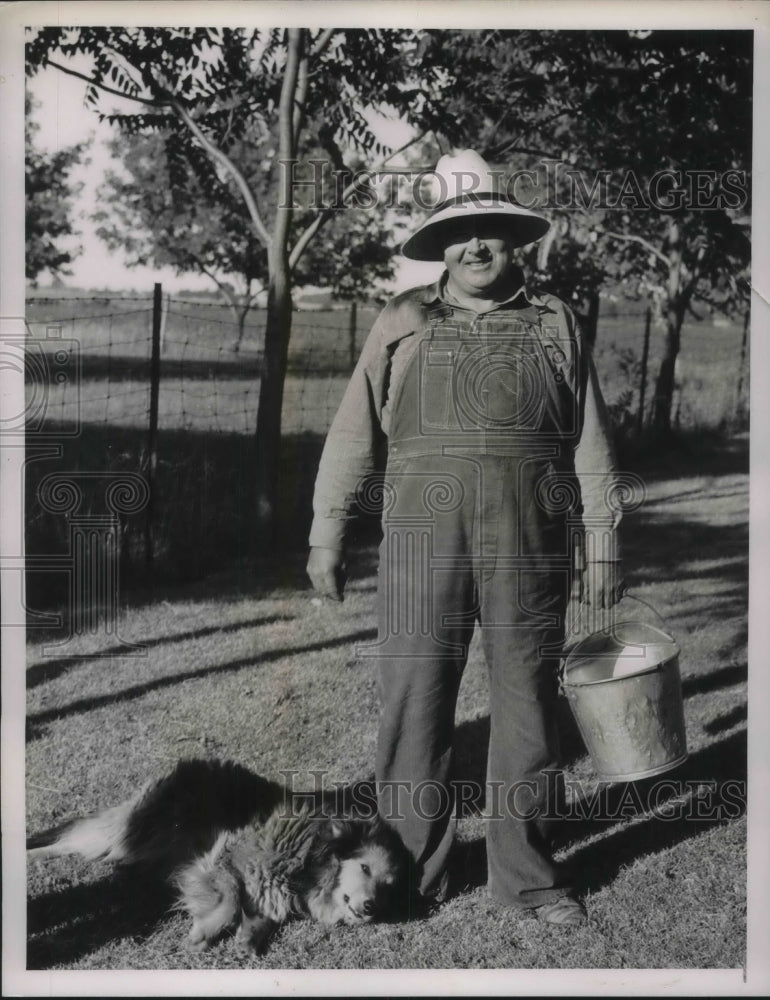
(574, 653)
(611, 680)
(607, 630)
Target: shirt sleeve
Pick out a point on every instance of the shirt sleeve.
(596, 469)
(353, 443)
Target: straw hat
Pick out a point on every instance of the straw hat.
(467, 187)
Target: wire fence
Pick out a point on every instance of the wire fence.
(183, 422)
(209, 382)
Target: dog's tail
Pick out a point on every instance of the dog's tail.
(103, 835)
(168, 821)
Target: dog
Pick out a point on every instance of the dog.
(241, 857)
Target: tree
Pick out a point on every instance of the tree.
(646, 134)
(216, 88)
(167, 206)
(193, 224)
(49, 193)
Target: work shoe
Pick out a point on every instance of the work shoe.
(566, 910)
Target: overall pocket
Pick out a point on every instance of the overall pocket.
(436, 398)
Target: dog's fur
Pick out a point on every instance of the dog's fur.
(239, 855)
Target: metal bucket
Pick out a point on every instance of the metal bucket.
(624, 689)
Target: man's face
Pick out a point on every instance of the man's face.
(478, 257)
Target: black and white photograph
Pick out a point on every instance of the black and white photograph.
(383, 408)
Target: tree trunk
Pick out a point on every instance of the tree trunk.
(676, 305)
(664, 386)
(278, 323)
(268, 437)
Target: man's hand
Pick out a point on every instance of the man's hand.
(602, 584)
(326, 569)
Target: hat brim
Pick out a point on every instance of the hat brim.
(429, 241)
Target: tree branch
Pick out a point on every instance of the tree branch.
(213, 151)
(633, 238)
(286, 141)
(224, 160)
(322, 41)
(224, 289)
(299, 99)
(103, 86)
(325, 214)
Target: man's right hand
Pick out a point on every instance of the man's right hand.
(326, 569)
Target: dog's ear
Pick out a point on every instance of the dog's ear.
(338, 837)
(378, 829)
(378, 826)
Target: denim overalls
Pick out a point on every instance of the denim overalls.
(476, 527)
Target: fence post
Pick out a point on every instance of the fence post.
(645, 359)
(152, 439)
(352, 334)
(163, 320)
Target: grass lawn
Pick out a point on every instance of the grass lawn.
(247, 664)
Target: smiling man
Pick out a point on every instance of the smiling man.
(486, 402)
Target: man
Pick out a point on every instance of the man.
(498, 460)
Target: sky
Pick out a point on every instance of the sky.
(64, 120)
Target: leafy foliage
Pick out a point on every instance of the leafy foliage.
(195, 223)
(230, 78)
(49, 193)
(229, 82)
(619, 108)
(192, 223)
(617, 102)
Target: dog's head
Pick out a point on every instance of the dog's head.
(356, 870)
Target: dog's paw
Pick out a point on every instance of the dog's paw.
(253, 934)
(196, 938)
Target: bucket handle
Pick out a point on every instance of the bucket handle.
(655, 611)
(626, 596)
(639, 600)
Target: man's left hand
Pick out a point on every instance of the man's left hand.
(602, 584)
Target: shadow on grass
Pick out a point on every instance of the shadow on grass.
(708, 790)
(36, 721)
(690, 552)
(735, 673)
(48, 669)
(598, 863)
(683, 454)
(67, 924)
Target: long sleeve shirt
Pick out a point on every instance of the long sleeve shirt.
(358, 435)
